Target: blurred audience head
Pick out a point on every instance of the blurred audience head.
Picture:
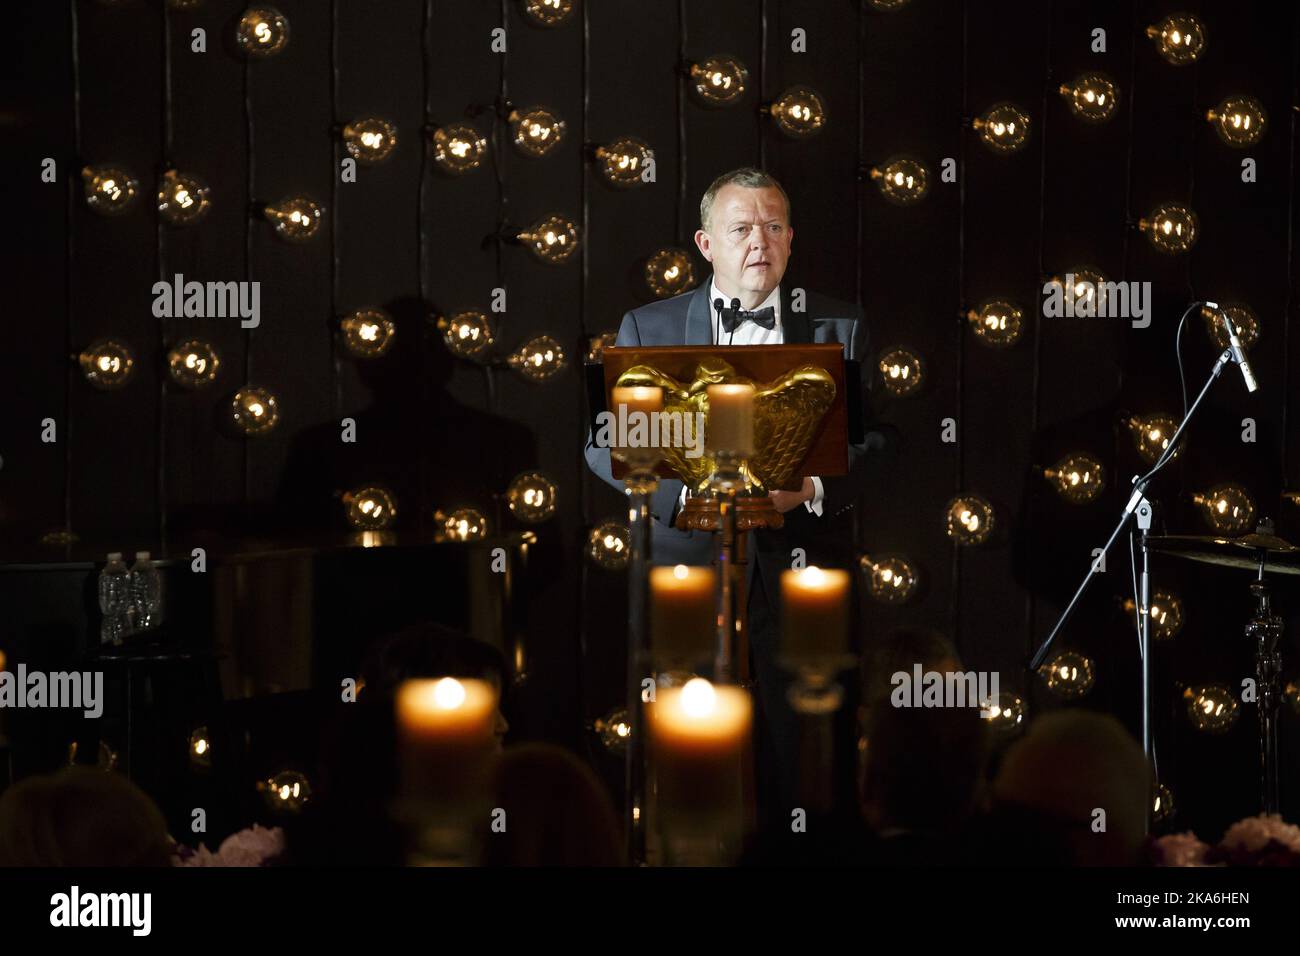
(922, 769)
(81, 816)
(1069, 765)
(557, 812)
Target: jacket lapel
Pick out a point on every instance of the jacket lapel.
(795, 326)
(699, 315)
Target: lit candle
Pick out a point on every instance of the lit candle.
(639, 398)
(699, 733)
(683, 614)
(815, 612)
(730, 423)
(446, 728)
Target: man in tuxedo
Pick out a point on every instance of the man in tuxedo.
(745, 233)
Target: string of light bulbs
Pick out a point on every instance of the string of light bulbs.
(336, 151)
(160, 229)
(422, 243)
(959, 463)
(1031, 597)
(74, 184)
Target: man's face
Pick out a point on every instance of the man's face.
(748, 241)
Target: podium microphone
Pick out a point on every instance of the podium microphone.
(717, 307)
(1238, 354)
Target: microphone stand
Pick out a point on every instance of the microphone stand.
(1138, 506)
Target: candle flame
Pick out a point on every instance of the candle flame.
(449, 693)
(698, 697)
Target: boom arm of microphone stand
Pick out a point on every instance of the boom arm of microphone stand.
(1139, 492)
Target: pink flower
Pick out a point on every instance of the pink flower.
(1180, 849)
(251, 847)
(1254, 833)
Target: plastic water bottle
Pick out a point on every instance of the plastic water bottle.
(114, 599)
(146, 593)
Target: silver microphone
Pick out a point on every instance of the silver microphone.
(1238, 353)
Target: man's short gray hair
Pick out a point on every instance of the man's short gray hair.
(746, 176)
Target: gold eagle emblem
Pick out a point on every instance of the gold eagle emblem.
(787, 414)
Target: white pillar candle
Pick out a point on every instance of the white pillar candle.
(730, 423)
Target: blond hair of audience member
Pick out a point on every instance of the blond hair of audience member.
(81, 816)
(1069, 765)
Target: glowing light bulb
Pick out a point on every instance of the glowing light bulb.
(1240, 121)
(262, 31)
(614, 730)
(1005, 713)
(670, 272)
(463, 524)
(1152, 434)
(609, 545)
(1227, 508)
(1166, 614)
(254, 411)
(286, 792)
(698, 698)
(1092, 97)
(532, 497)
(1179, 37)
(799, 112)
(1171, 227)
(891, 579)
(370, 508)
(536, 131)
(1068, 674)
(1243, 320)
(105, 756)
(539, 359)
(370, 140)
(200, 749)
(902, 180)
(367, 333)
(107, 364)
(1003, 128)
(719, 81)
(296, 219)
(110, 190)
(553, 240)
(997, 323)
(548, 13)
(902, 371)
(193, 364)
(597, 344)
(1162, 808)
(1078, 478)
(458, 149)
(623, 162)
(969, 519)
(1083, 289)
(467, 335)
(1211, 708)
(183, 199)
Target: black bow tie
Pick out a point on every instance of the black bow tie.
(765, 317)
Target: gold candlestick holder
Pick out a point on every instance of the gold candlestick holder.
(639, 484)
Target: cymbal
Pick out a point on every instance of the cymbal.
(1280, 556)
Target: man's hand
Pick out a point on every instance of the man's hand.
(785, 500)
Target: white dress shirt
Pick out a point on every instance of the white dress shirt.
(751, 333)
